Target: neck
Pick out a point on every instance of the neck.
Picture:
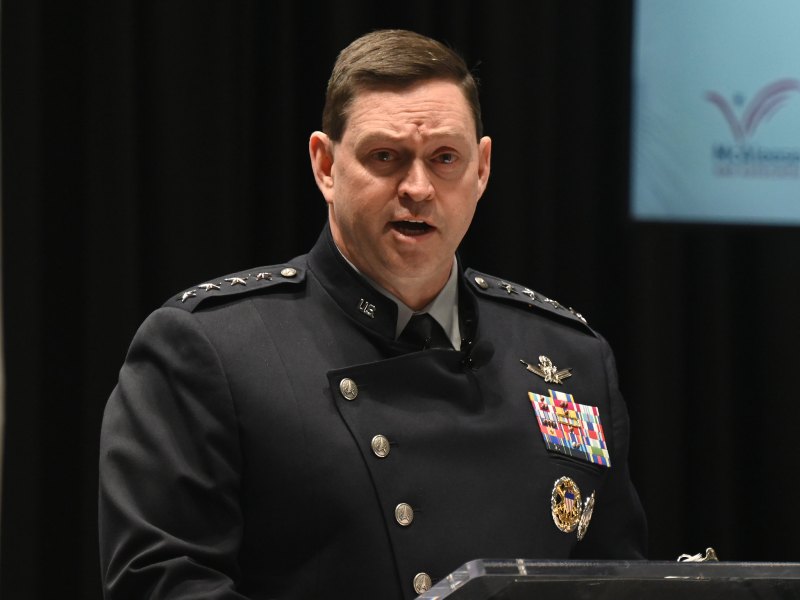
(416, 292)
(416, 295)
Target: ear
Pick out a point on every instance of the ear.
(320, 150)
(484, 163)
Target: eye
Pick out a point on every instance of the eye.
(382, 156)
(446, 158)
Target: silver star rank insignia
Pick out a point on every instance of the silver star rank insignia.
(188, 294)
(237, 280)
(507, 287)
(209, 286)
(555, 304)
(264, 275)
(578, 315)
(548, 371)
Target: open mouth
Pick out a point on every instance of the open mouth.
(411, 228)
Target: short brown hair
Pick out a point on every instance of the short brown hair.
(392, 58)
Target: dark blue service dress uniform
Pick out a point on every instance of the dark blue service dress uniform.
(269, 438)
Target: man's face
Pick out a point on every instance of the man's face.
(403, 183)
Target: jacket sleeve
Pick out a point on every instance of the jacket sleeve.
(170, 521)
(618, 528)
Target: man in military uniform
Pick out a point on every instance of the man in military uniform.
(361, 420)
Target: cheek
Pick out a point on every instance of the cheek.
(352, 180)
(464, 213)
(468, 213)
(364, 194)
(356, 206)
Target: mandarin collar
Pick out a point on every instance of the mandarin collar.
(352, 292)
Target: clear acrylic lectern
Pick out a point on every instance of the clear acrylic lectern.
(517, 579)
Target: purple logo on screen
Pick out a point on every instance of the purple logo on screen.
(743, 157)
(763, 105)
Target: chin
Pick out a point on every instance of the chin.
(417, 268)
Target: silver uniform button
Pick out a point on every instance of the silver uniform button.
(404, 514)
(422, 582)
(380, 446)
(482, 283)
(288, 272)
(348, 388)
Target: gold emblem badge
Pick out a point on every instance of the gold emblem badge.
(565, 504)
(586, 516)
(547, 370)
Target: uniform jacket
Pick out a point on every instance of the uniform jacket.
(233, 466)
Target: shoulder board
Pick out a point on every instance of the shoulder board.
(501, 289)
(238, 284)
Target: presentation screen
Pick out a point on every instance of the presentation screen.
(716, 111)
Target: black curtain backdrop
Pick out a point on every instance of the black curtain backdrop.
(151, 145)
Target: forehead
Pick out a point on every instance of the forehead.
(426, 109)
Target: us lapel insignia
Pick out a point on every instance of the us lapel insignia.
(548, 371)
(570, 428)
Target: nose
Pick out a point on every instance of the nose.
(416, 184)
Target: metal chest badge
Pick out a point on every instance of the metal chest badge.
(547, 370)
(568, 512)
(565, 504)
(570, 428)
(586, 516)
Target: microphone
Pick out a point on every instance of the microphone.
(478, 354)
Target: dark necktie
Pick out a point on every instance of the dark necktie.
(423, 332)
